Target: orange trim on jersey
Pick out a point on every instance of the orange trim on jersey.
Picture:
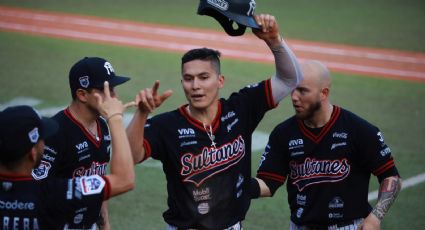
(148, 150)
(199, 125)
(271, 176)
(317, 138)
(107, 190)
(269, 95)
(384, 167)
(86, 133)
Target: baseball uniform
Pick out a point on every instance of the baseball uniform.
(53, 203)
(208, 168)
(327, 169)
(74, 152)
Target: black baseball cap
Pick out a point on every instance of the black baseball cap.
(21, 127)
(92, 72)
(226, 12)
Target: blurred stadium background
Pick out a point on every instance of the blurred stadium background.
(35, 69)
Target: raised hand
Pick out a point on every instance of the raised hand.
(269, 31)
(148, 99)
(110, 106)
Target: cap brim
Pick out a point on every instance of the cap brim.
(50, 127)
(242, 19)
(118, 80)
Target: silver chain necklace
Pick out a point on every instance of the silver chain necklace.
(210, 135)
(89, 130)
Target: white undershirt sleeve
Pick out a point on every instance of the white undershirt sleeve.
(288, 72)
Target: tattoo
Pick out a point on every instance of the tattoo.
(388, 191)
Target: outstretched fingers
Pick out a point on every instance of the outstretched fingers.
(166, 95)
(130, 104)
(155, 87)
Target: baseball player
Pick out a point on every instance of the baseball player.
(327, 154)
(205, 145)
(56, 203)
(83, 143)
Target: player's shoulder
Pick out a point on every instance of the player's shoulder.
(354, 119)
(165, 118)
(286, 124)
(286, 127)
(63, 120)
(356, 123)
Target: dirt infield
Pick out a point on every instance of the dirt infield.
(341, 58)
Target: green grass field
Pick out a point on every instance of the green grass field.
(37, 67)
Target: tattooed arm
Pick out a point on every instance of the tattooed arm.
(388, 191)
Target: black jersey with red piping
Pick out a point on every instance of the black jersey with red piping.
(327, 169)
(208, 169)
(53, 203)
(73, 151)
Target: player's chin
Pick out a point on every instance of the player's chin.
(198, 104)
(300, 114)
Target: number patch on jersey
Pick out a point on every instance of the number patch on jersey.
(92, 184)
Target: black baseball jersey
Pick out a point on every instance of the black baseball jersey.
(53, 203)
(208, 177)
(74, 152)
(327, 169)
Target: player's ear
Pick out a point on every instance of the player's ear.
(324, 93)
(220, 81)
(36, 151)
(81, 95)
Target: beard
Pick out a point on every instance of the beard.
(309, 112)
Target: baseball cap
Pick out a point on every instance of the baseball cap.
(92, 72)
(226, 12)
(21, 127)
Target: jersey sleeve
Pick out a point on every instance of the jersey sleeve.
(151, 141)
(375, 154)
(79, 199)
(256, 100)
(51, 157)
(273, 168)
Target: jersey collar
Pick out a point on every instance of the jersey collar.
(198, 124)
(324, 130)
(84, 130)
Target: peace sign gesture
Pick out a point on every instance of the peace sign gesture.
(109, 106)
(148, 99)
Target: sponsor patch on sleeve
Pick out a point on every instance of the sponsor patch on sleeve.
(92, 184)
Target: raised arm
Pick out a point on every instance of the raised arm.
(122, 174)
(288, 73)
(388, 191)
(147, 100)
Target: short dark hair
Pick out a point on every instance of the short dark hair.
(203, 54)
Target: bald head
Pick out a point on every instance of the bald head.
(316, 73)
